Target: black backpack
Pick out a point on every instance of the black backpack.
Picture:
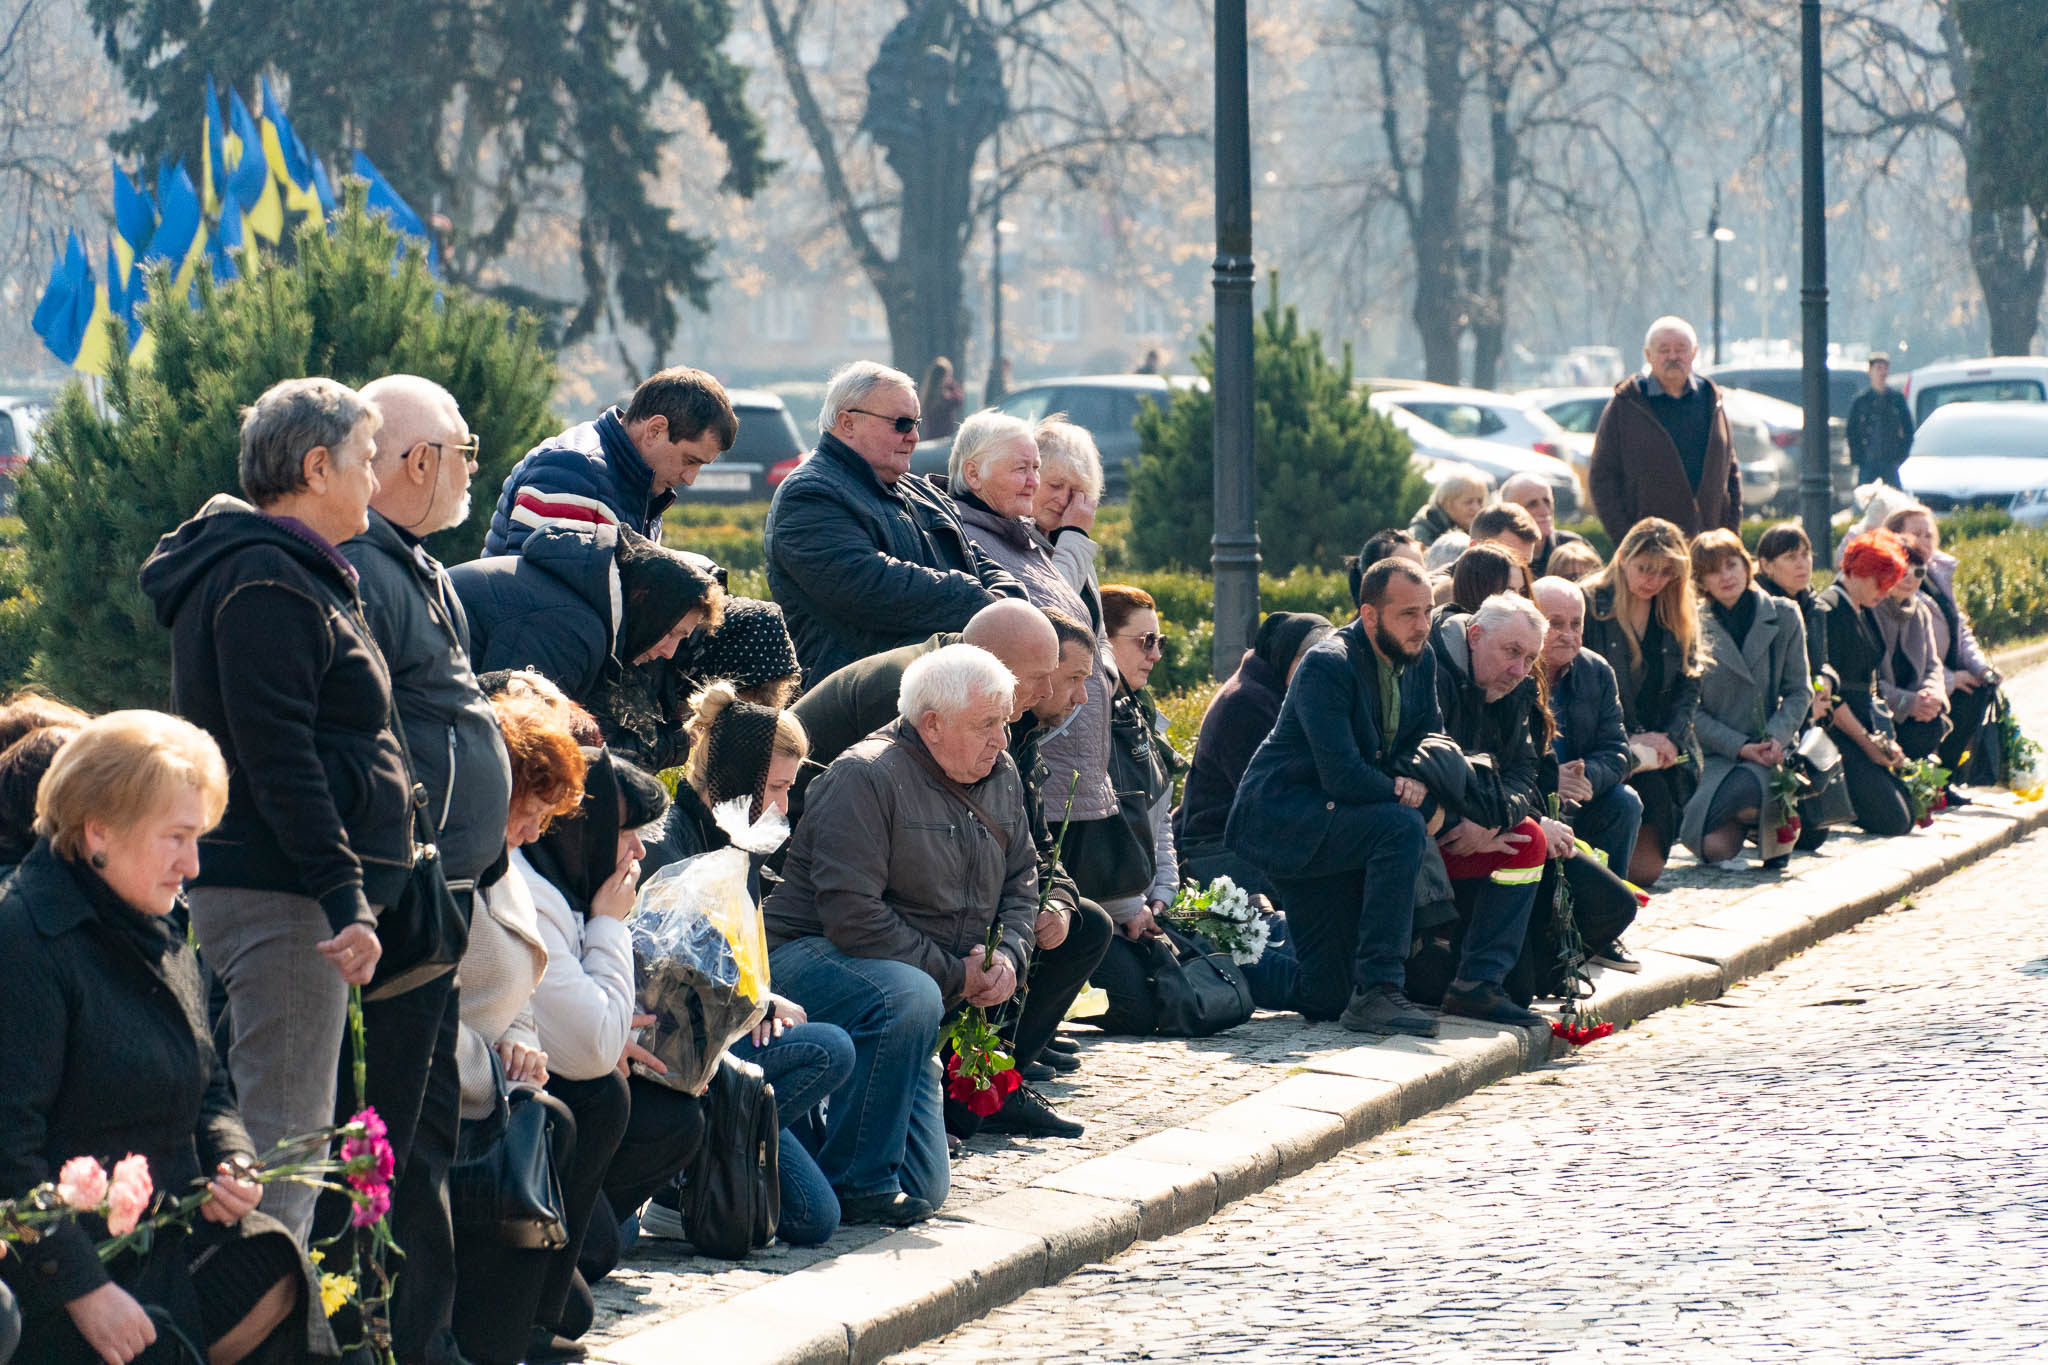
(731, 1197)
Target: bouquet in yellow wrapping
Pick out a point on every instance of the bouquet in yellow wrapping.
(700, 953)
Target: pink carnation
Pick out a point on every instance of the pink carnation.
(128, 1194)
(82, 1183)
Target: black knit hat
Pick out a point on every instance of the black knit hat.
(659, 586)
(737, 750)
(752, 647)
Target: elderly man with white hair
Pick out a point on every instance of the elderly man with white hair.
(914, 853)
(1663, 447)
(1533, 495)
(863, 555)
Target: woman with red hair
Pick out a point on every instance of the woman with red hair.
(1860, 722)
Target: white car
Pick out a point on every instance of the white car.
(1484, 415)
(1759, 452)
(1968, 454)
(1435, 446)
(1999, 379)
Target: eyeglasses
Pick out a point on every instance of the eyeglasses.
(1148, 642)
(904, 425)
(469, 450)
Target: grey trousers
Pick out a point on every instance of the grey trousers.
(288, 1010)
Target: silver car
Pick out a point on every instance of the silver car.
(1434, 445)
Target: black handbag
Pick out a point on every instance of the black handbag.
(1177, 986)
(1826, 804)
(732, 1193)
(503, 1184)
(425, 931)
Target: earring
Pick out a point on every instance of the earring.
(99, 861)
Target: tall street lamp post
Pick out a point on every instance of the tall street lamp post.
(1815, 504)
(1235, 549)
(1717, 234)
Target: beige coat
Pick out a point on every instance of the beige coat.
(500, 968)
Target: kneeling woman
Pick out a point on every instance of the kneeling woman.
(1753, 698)
(1860, 723)
(1641, 618)
(105, 1051)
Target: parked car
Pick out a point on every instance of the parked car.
(1486, 416)
(767, 438)
(1787, 383)
(1999, 379)
(18, 421)
(1969, 454)
(1104, 405)
(1434, 445)
(1757, 453)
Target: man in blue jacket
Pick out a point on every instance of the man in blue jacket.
(622, 469)
(864, 556)
(1342, 837)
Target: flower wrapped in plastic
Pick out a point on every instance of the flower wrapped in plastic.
(700, 953)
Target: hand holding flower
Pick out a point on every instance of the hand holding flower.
(233, 1198)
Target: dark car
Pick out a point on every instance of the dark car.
(1106, 406)
(767, 437)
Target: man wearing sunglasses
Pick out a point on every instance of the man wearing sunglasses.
(864, 556)
(425, 455)
(622, 469)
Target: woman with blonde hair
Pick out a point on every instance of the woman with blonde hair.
(105, 1050)
(1458, 497)
(1642, 618)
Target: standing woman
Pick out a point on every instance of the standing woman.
(105, 1050)
(941, 400)
(1860, 722)
(1641, 617)
(1910, 679)
(1753, 699)
(272, 656)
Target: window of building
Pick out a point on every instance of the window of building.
(780, 315)
(1059, 314)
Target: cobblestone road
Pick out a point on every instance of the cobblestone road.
(1838, 1161)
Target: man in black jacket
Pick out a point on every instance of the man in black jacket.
(863, 555)
(1593, 760)
(1879, 427)
(1486, 690)
(270, 654)
(425, 456)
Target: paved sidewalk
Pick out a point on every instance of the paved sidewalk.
(1220, 1118)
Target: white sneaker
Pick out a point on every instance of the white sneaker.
(1731, 865)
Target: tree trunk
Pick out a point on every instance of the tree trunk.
(2010, 257)
(1436, 226)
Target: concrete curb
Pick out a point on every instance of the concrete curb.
(918, 1284)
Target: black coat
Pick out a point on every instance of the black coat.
(1498, 729)
(1239, 717)
(1673, 710)
(1024, 736)
(451, 733)
(272, 656)
(1811, 617)
(1326, 756)
(859, 567)
(1587, 705)
(1856, 650)
(1541, 564)
(104, 1051)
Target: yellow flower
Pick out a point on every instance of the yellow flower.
(335, 1290)
(2032, 793)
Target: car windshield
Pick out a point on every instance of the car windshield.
(767, 435)
(1579, 415)
(1030, 404)
(1459, 419)
(1963, 432)
(1926, 400)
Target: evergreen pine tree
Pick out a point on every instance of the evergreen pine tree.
(1331, 470)
(108, 481)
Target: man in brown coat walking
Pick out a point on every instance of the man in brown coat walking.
(1663, 448)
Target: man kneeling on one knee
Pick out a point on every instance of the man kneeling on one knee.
(913, 845)
(1343, 834)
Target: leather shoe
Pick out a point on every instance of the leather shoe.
(1060, 1042)
(1027, 1112)
(1489, 1005)
(1036, 1071)
(895, 1208)
(1059, 1061)
(543, 1347)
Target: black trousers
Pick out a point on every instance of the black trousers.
(412, 1083)
(1966, 717)
(601, 1107)
(499, 1288)
(1920, 738)
(1056, 978)
(663, 1132)
(1880, 799)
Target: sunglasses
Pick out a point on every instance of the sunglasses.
(904, 425)
(1148, 642)
(467, 452)
(1917, 571)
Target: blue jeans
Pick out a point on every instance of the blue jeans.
(885, 1129)
(805, 1065)
(1609, 823)
(1354, 930)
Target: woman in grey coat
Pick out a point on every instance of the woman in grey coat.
(992, 476)
(1910, 677)
(1753, 698)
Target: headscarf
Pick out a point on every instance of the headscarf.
(1282, 635)
(658, 587)
(579, 853)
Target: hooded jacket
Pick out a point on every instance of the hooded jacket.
(859, 566)
(451, 733)
(271, 654)
(588, 476)
(1239, 716)
(556, 606)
